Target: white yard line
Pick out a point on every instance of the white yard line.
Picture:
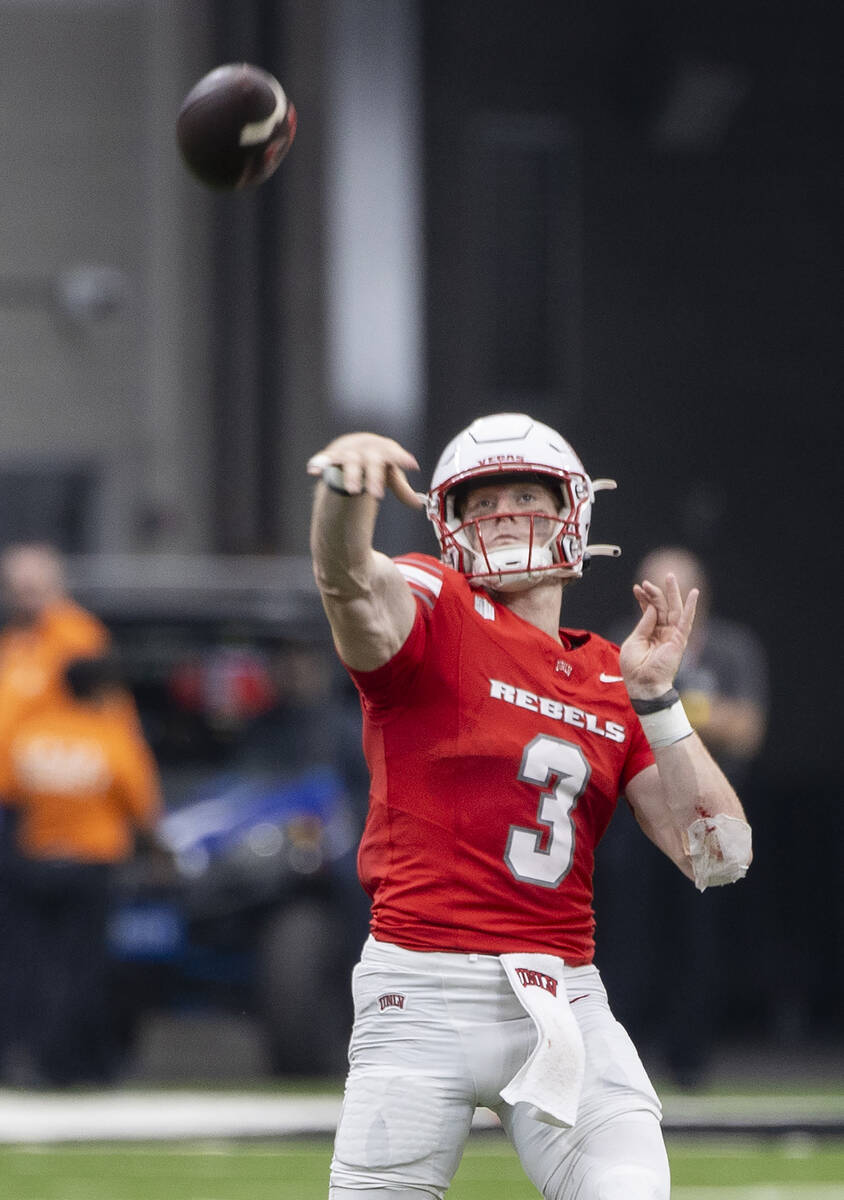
(151, 1116)
(757, 1105)
(135, 1116)
(31, 1117)
(761, 1191)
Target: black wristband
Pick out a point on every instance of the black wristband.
(330, 476)
(643, 708)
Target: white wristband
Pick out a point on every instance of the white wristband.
(667, 726)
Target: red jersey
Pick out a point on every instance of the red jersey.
(497, 756)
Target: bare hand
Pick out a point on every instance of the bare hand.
(370, 464)
(651, 655)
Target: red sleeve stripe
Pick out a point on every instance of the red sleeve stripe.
(421, 577)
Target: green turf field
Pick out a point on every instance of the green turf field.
(785, 1169)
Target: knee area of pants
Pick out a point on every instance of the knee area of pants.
(631, 1183)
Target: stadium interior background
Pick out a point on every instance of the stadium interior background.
(622, 217)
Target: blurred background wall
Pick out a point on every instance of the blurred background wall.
(104, 384)
(623, 217)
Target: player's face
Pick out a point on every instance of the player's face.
(507, 511)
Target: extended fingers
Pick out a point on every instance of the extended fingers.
(641, 597)
(673, 599)
(680, 615)
(368, 475)
(366, 463)
(647, 622)
(398, 483)
(385, 465)
(667, 603)
(687, 617)
(655, 597)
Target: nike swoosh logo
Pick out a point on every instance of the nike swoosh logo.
(575, 1000)
(611, 678)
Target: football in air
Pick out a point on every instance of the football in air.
(235, 126)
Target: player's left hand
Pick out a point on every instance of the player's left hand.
(651, 655)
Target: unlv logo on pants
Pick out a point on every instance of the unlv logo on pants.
(536, 979)
(391, 1000)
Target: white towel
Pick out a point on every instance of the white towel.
(551, 1079)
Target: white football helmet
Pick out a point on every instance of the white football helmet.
(509, 444)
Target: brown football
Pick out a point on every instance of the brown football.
(235, 126)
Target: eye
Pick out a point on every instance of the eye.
(478, 504)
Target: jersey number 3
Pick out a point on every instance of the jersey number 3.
(544, 759)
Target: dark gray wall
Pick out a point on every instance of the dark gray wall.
(692, 284)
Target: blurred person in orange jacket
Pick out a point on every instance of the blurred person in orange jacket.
(83, 786)
(44, 629)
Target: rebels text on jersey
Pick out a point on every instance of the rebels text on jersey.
(497, 756)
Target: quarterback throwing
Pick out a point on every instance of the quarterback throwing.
(498, 745)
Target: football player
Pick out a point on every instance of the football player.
(498, 745)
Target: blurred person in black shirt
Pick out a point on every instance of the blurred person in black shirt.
(723, 683)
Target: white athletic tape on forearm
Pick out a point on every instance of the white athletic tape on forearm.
(720, 849)
(667, 726)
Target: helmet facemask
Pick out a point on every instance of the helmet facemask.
(506, 447)
(552, 548)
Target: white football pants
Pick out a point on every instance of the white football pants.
(437, 1035)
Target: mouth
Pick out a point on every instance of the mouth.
(503, 540)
